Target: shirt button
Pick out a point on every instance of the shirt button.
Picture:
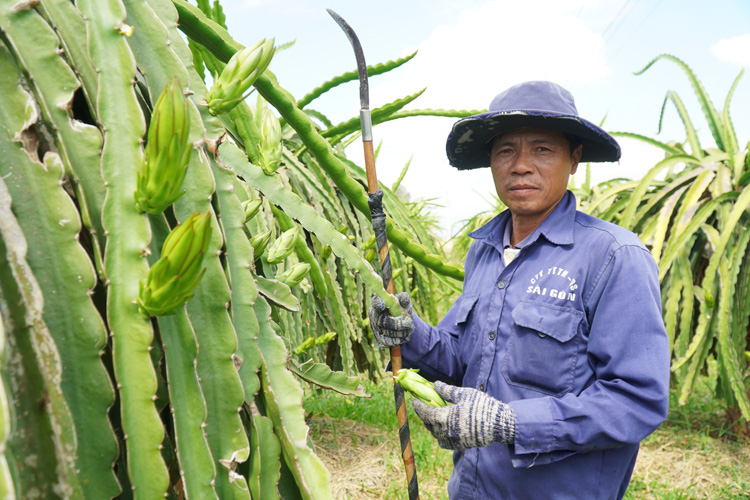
(492, 335)
(481, 387)
(501, 285)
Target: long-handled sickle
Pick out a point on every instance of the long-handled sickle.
(375, 201)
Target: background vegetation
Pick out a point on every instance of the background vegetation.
(121, 377)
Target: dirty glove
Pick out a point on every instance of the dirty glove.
(390, 331)
(474, 420)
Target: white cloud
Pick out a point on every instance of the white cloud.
(465, 64)
(735, 50)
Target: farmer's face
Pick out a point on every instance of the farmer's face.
(531, 168)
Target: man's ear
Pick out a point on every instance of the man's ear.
(576, 158)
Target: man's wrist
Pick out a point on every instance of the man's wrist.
(505, 424)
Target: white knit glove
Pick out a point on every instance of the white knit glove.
(473, 420)
(391, 331)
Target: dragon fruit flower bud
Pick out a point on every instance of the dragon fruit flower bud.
(243, 68)
(418, 386)
(251, 208)
(295, 274)
(283, 246)
(167, 152)
(259, 242)
(325, 338)
(269, 128)
(172, 279)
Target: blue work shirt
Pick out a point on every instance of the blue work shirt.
(570, 334)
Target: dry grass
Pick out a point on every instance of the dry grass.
(364, 463)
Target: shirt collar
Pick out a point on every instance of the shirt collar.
(557, 228)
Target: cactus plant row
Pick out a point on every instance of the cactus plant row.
(177, 265)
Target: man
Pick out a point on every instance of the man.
(554, 360)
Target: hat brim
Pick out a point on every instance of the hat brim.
(468, 143)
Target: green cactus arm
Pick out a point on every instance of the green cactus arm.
(378, 116)
(335, 168)
(204, 31)
(282, 396)
(712, 116)
(731, 357)
(265, 460)
(66, 278)
(33, 369)
(303, 253)
(278, 293)
(66, 19)
(35, 46)
(320, 374)
(244, 292)
(128, 236)
(628, 218)
(306, 215)
(188, 406)
(216, 338)
(7, 488)
(349, 76)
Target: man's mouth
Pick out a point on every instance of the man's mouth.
(522, 188)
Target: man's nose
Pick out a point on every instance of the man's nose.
(523, 163)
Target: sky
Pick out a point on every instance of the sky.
(471, 50)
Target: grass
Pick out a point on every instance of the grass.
(692, 456)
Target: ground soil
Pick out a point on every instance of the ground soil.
(364, 463)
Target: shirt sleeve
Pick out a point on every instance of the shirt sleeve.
(435, 349)
(628, 349)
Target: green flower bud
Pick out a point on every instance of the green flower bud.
(175, 275)
(370, 243)
(370, 255)
(418, 386)
(259, 242)
(283, 246)
(251, 208)
(294, 275)
(325, 338)
(167, 152)
(304, 346)
(269, 146)
(326, 252)
(243, 68)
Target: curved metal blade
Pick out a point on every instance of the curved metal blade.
(364, 91)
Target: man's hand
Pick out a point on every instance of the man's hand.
(474, 420)
(390, 331)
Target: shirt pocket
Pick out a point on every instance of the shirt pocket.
(465, 307)
(543, 349)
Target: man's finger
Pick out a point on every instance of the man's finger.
(404, 300)
(448, 392)
(396, 323)
(423, 410)
(377, 303)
